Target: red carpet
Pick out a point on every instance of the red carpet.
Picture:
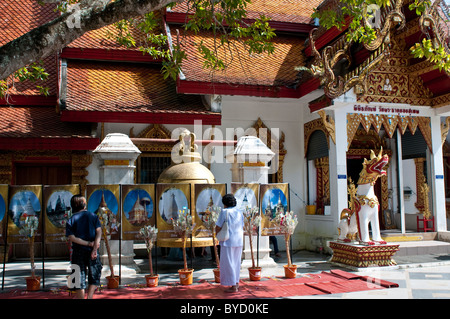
(335, 281)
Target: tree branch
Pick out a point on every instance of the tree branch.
(55, 35)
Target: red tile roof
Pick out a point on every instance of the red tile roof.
(17, 17)
(104, 38)
(276, 69)
(294, 11)
(128, 88)
(33, 121)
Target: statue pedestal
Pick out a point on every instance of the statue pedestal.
(362, 256)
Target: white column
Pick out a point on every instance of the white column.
(338, 167)
(400, 182)
(253, 150)
(436, 178)
(117, 154)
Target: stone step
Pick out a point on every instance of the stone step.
(415, 244)
(425, 247)
(399, 237)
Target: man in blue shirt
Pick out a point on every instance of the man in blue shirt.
(84, 232)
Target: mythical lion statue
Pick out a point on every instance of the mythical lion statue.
(364, 204)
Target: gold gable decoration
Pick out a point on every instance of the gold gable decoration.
(154, 131)
(270, 139)
(390, 124)
(312, 126)
(327, 61)
(394, 80)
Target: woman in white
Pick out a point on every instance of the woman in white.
(231, 249)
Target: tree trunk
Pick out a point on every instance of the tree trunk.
(31, 244)
(251, 248)
(108, 251)
(288, 254)
(53, 36)
(150, 262)
(184, 253)
(215, 250)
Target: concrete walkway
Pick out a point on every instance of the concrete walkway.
(418, 276)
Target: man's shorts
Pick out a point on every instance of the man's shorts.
(87, 266)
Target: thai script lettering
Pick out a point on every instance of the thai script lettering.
(386, 109)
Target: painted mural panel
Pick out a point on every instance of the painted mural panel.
(3, 209)
(24, 201)
(246, 195)
(206, 195)
(171, 198)
(138, 209)
(57, 210)
(272, 197)
(106, 196)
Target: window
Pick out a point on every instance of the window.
(151, 166)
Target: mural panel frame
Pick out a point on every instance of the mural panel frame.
(169, 197)
(201, 202)
(56, 217)
(19, 207)
(110, 193)
(130, 194)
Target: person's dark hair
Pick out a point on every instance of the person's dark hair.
(229, 200)
(77, 202)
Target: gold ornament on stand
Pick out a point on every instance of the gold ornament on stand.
(424, 189)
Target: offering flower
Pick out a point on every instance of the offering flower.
(149, 233)
(287, 222)
(109, 224)
(252, 221)
(29, 229)
(210, 219)
(183, 226)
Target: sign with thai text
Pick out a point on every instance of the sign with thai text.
(394, 110)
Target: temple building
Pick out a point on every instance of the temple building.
(138, 214)
(321, 122)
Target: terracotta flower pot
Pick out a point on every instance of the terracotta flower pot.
(186, 276)
(254, 273)
(151, 280)
(33, 283)
(216, 275)
(112, 282)
(290, 271)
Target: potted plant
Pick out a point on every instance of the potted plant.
(29, 229)
(108, 222)
(252, 222)
(287, 222)
(183, 226)
(149, 234)
(209, 220)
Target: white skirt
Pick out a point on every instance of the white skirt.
(230, 265)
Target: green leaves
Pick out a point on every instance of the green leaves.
(34, 72)
(419, 6)
(432, 52)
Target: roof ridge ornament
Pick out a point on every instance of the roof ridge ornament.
(332, 57)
